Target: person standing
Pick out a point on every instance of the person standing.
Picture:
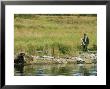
(85, 42)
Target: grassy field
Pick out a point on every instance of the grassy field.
(56, 35)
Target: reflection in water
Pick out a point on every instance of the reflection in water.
(40, 72)
(56, 70)
(19, 69)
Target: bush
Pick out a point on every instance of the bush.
(93, 48)
(64, 49)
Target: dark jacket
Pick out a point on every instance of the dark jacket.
(86, 40)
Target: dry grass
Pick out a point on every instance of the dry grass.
(59, 35)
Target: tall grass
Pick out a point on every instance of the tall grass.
(57, 34)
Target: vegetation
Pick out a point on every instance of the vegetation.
(56, 35)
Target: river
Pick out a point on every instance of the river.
(56, 70)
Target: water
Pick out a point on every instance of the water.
(56, 70)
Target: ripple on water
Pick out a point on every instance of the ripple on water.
(58, 70)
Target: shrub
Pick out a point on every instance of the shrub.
(64, 49)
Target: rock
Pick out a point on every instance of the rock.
(79, 60)
(93, 56)
(47, 57)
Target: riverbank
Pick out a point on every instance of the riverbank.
(82, 58)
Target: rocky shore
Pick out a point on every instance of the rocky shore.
(82, 58)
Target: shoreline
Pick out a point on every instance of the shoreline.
(84, 58)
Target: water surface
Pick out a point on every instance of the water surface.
(56, 70)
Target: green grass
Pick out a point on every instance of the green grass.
(59, 35)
